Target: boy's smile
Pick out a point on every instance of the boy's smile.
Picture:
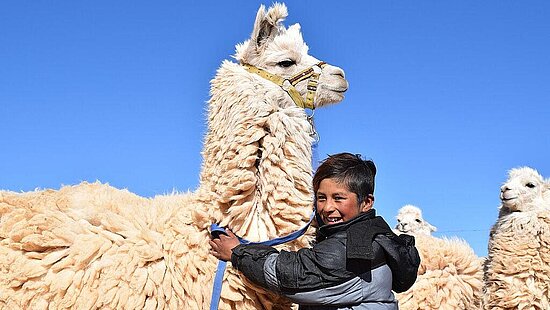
(336, 204)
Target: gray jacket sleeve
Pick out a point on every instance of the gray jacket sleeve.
(354, 291)
(315, 276)
(250, 260)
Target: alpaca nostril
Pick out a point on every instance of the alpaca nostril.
(340, 73)
(337, 71)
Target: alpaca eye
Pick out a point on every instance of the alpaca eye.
(418, 221)
(530, 185)
(286, 63)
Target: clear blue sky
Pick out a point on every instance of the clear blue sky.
(445, 96)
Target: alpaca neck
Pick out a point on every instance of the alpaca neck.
(256, 173)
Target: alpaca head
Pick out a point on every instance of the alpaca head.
(410, 221)
(282, 52)
(525, 190)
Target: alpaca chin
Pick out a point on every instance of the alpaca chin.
(511, 205)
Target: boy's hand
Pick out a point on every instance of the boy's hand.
(221, 247)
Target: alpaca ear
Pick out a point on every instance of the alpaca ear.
(266, 26)
(263, 30)
(431, 227)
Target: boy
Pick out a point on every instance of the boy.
(349, 266)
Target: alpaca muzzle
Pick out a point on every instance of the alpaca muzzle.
(312, 73)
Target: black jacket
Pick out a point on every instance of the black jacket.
(347, 267)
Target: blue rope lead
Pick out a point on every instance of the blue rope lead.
(217, 289)
(218, 279)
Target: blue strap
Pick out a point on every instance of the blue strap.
(280, 240)
(217, 289)
(217, 229)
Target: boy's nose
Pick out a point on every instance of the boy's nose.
(329, 205)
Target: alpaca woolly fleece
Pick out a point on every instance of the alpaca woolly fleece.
(450, 276)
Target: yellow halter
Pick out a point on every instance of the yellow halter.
(287, 85)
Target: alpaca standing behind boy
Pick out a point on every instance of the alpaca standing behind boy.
(92, 246)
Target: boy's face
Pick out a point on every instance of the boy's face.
(336, 204)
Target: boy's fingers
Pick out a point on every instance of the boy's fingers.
(214, 253)
(216, 244)
(227, 235)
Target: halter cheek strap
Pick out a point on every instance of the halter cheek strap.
(312, 73)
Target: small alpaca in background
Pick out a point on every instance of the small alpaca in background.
(450, 275)
(410, 221)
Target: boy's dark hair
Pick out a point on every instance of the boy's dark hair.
(348, 169)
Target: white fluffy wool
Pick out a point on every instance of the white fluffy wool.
(450, 276)
(92, 246)
(517, 270)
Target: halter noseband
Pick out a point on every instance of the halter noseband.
(287, 85)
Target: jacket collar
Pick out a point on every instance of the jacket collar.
(328, 229)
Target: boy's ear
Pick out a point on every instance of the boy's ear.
(367, 204)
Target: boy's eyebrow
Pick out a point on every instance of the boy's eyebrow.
(335, 193)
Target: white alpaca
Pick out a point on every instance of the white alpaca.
(450, 275)
(92, 246)
(517, 270)
(410, 221)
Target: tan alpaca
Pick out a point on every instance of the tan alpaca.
(517, 270)
(92, 246)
